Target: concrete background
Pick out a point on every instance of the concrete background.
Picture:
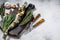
(50, 29)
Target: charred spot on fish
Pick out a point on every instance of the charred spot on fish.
(31, 6)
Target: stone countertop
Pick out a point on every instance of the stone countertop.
(50, 29)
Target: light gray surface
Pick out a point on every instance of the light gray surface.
(50, 29)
